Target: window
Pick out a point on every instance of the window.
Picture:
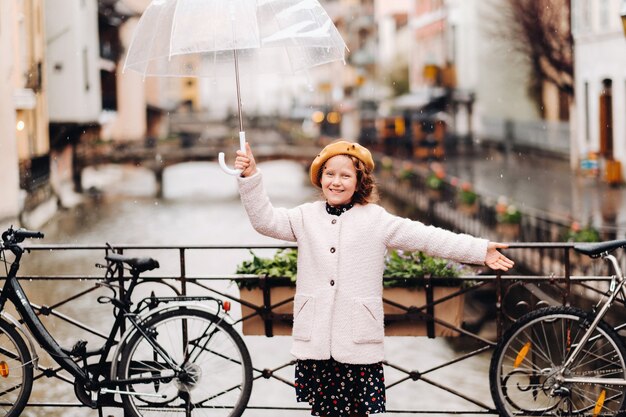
(587, 129)
(86, 68)
(575, 22)
(604, 15)
(585, 15)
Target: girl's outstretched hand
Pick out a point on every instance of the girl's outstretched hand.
(245, 162)
(496, 260)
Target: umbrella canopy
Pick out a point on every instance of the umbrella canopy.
(196, 38)
(211, 38)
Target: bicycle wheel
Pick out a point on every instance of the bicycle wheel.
(525, 367)
(212, 372)
(16, 371)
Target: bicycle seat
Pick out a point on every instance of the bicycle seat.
(594, 250)
(138, 264)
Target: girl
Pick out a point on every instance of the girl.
(338, 312)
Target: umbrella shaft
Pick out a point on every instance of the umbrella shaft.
(238, 91)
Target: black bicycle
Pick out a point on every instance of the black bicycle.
(177, 356)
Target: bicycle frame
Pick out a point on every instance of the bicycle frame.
(620, 287)
(13, 292)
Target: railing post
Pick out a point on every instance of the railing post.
(158, 176)
(430, 308)
(499, 314)
(183, 272)
(120, 278)
(266, 309)
(568, 281)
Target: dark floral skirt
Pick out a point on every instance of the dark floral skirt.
(337, 389)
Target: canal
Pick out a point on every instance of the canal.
(201, 206)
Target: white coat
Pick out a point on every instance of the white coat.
(338, 309)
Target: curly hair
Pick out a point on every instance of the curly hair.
(366, 190)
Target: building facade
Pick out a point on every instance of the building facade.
(74, 87)
(24, 112)
(9, 180)
(600, 79)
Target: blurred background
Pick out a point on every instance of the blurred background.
(423, 80)
(500, 118)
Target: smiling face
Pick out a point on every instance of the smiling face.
(338, 180)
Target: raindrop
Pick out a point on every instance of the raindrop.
(501, 175)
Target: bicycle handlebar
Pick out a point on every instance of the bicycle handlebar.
(23, 234)
(12, 236)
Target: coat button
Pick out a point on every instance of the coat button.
(332, 250)
(334, 221)
(332, 282)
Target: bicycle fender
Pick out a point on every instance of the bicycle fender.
(22, 330)
(193, 305)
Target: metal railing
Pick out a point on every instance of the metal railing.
(511, 295)
(442, 207)
(542, 135)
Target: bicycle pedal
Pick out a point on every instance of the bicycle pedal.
(79, 349)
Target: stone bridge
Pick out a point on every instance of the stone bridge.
(157, 156)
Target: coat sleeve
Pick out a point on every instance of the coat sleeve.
(409, 235)
(265, 218)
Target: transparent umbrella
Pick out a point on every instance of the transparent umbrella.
(214, 38)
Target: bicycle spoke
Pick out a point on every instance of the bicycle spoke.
(208, 336)
(528, 367)
(16, 371)
(213, 372)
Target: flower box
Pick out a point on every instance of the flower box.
(508, 231)
(409, 303)
(449, 311)
(280, 317)
(397, 321)
(468, 209)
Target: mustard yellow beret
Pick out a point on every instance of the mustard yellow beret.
(341, 147)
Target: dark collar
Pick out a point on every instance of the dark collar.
(339, 210)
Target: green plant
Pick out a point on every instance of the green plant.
(511, 216)
(467, 196)
(386, 163)
(407, 172)
(402, 269)
(507, 213)
(405, 267)
(283, 264)
(586, 234)
(433, 181)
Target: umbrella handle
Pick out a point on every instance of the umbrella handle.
(221, 159)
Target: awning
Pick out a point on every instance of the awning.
(419, 100)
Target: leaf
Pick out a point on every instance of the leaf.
(408, 269)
